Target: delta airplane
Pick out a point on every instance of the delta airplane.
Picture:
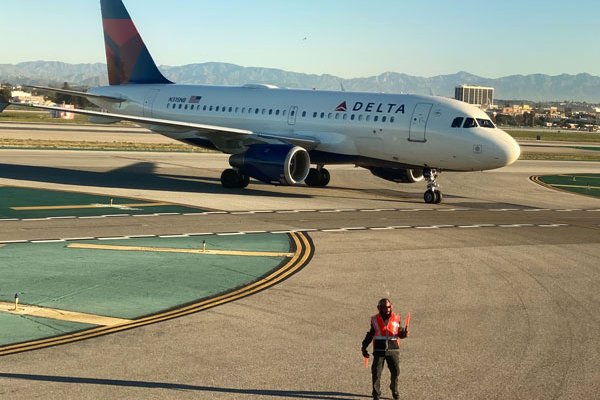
(275, 135)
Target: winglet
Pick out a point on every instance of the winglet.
(128, 58)
(4, 102)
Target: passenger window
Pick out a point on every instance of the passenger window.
(257, 111)
(329, 115)
(457, 122)
(485, 123)
(345, 116)
(237, 109)
(383, 119)
(376, 118)
(470, 123)
(352, 117)
(304, 113)
(277, 112)
(284, 113)
(322, 115)
(204, 108)
(271, 111)
(368, 118)
(292, 113)
(314, 115)
(180, 105)
(337, 116)
(360, 117)
(217, 108)
(392, 119)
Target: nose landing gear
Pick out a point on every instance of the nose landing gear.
(433, 193)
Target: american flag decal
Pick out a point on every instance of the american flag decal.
(195, 99)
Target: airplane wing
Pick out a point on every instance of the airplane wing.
(77, 93)
(219, 135)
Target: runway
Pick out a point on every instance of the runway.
(502, 281)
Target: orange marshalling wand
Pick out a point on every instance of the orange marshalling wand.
(366, 360)
(407, 323)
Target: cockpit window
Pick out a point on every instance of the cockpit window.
(457, 122)
(470, 123)
(485, 123)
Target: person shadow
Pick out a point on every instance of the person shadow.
(275, 393)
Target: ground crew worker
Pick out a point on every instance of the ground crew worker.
(385, 333)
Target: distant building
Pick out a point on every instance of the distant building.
(20, 96)
(477, 95)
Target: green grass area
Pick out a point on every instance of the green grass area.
(10, 115)
(554, 135)
(587, 184)
(559, 156)
(100, 146)
(591, 148)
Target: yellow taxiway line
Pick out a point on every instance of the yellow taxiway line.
(63, 315)
(80, 206)
(179, 250)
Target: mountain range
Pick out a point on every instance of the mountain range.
(535, 87)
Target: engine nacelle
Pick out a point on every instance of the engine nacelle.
(398, 175)
(283, 163)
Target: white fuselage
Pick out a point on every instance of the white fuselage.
(348, 127)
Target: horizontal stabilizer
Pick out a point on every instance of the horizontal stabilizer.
(77, 93)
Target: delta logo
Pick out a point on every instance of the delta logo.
(390, 108)
(342, 107)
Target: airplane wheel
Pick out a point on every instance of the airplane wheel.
(438, 197)
(317, 177)
(429, 196)
(313, 178)
(325, 177)
(244, 180)
(230, 178)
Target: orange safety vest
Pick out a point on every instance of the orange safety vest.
(386, 332)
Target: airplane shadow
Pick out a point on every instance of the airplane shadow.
(141, 176)
(294, 394)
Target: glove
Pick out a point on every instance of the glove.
(403, 333)
(365, 353)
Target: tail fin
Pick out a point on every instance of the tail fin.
(128, 59)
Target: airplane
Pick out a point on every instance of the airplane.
(276, 135)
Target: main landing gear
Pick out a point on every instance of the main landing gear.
(433, 193)
(317, 177)
(233, 178)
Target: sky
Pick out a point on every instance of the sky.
(349, 38)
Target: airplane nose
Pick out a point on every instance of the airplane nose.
(508, 150)
(503, 150)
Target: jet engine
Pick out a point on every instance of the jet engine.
(398, 175)
(283, 163)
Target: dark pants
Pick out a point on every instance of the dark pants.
(392, 358)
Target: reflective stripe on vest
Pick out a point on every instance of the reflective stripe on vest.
(386, 332)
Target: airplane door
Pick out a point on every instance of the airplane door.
(292, 115)
(149, 101)
(418, 122)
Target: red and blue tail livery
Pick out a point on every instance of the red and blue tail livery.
(128, 58)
